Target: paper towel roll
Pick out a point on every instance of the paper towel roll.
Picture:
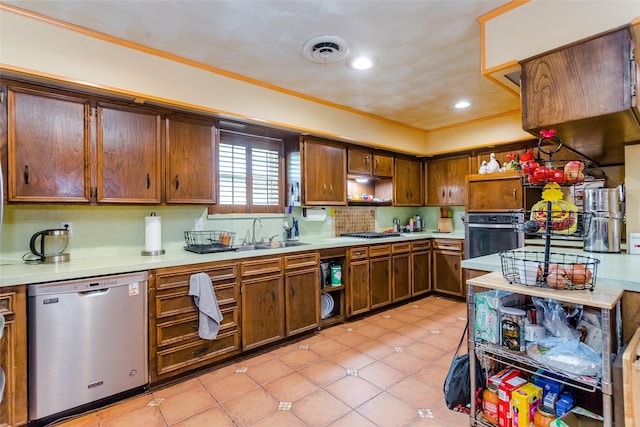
(152, 233)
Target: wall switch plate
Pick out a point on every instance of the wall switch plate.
(68, 225)
(199, 224)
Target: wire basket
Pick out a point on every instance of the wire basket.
(553, 270)
(569, 224)
(209, 238)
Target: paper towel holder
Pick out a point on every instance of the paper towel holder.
(152, 253)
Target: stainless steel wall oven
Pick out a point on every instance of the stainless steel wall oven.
(489, 233)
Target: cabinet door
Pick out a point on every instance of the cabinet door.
(48, 147)
(421, 272)
(447, 272)
(301, 300)
(13, 356)
(325, 174)
(457, 169)
(359, 161)
(380, 279)
(437, 183)
(401, 276)
(262, 311)
(408, 182)
(382, 165)
(446, 181)
(191, 165)
(359, 287)
(128, 155)
(493, 195)
(581, 81)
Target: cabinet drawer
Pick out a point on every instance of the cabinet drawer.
(220, 275)
(399, 248)
(185, 328)
(421, 245)
(379, 250)
(261, 266)
(309, 259)
(359, 252)
(177, 300)
(448, 244)
(200, 352)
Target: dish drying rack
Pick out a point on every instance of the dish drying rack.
(210, 241)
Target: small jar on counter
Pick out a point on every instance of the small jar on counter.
(544, 416)
(490, 403)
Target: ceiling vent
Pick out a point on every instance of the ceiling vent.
(325, 49)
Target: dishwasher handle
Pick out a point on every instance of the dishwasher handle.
(94, 292)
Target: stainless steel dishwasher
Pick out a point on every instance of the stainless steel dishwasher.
(87, 342)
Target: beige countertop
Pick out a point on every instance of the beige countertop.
(619, 271)
(16, 272)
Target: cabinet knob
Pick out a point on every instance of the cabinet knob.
(366, 159)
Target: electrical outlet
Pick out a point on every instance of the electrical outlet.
(68, 225)
(199, 224)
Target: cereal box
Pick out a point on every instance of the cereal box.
(505, 390)
(524, 404)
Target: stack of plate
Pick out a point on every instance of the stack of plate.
(327, 305)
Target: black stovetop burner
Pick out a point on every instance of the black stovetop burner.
(370, 235)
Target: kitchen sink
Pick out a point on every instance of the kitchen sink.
(272, 245)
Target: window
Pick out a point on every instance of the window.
(250, 174)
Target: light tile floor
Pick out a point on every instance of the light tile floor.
(383, 370)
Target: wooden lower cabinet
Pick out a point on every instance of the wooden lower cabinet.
(13, 355)
(380, 275)
(401, 267)
(447, 269)
(302, 284)
(174, 344)
(262, 290)
(358, 280)
(420, 267)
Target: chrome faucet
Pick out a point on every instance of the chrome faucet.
(253, 236)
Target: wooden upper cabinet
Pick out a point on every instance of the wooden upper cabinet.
(382, 165)
(408, 182)
(365, 162)
(48, 147)
(586, 91)
(128, 148)
(359, 161)
(190, 161)
(499, 191)
(324, 173)
(445, 181)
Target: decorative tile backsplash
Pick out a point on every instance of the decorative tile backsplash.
(354, 219)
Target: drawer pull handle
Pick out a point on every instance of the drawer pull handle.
(273, 295)
(148, 181)
(177, 183)
(199, 352)
(25, 174)
(293, 291)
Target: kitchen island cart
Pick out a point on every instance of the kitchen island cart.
(604, 299)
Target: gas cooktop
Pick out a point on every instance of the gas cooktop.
(370, 235)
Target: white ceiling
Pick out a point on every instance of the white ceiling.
(428, 50)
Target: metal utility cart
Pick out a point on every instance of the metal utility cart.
(605, 299)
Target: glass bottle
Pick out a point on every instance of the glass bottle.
(490, 403)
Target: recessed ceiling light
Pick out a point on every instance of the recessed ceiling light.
(462, 104)
(362, 62)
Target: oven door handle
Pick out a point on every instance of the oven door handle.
(489, 225)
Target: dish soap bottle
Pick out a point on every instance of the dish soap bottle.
(296, 230)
